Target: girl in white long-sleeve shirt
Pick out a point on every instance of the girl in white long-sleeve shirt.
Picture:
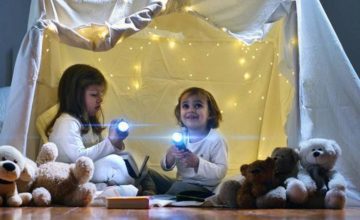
(204, 163)
(76, 129)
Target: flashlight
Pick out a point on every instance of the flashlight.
(123, 129)
(178, 140)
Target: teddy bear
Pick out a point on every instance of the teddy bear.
(291, 189)
(60, 183)
(12, 166)
(325, 186)
(259, 179)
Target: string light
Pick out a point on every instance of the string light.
(154, 37)
(183, 59)
(172, 44)
(47, 50)
(242, 61)
(99, 59)
(188, 8)
(247, 76)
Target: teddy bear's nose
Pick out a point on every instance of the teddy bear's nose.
(316, 154)
(9, 166)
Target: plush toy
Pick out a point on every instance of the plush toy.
(291, 190)
(258, 181)
(12, 165)
(61, 183)
(326, 186)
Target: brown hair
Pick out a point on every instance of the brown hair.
(214, 112)
(71, 93)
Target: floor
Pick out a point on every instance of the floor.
(173, 213)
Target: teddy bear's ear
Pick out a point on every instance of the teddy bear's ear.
(29, 171)
(275, 151)
(336, 147)
(243, 169)
(270, 162)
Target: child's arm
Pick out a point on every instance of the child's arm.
(66, 135)
(215, 167)
(173, 154)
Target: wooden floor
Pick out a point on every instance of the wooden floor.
(173, 213)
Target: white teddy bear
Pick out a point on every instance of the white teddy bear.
(12, 165)
(325, 186)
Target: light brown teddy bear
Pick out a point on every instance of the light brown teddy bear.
(12, 165)
(61, 183)
(259, 179)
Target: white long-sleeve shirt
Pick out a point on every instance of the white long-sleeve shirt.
(66, 134)
(213, 161)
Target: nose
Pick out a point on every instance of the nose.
(9, 166)
(316, 154)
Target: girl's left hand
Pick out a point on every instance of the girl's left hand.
(189, 159)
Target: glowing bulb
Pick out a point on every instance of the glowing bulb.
(123, 126)
(99, 59)
(190, 44)
(177, 137)
(224, 29)
(178, 140)
(111, 75)
(217, 44)
(47, 50)
(183, 59)
(260, 118)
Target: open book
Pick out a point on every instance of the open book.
(132, 167)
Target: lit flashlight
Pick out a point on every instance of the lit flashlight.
(179, 141)
(123, 129)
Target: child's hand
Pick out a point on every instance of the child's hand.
(114, 137)
(189, 159)
(173, 154)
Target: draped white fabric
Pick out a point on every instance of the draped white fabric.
(276, 68)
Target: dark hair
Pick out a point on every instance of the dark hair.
(214, 112)
(71, 93)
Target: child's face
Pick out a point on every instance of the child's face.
(93, 99)
(194, 112)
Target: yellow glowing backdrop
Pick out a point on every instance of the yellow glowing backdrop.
(147, 71)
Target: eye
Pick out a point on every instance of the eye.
(185, 106)
(198, 105)
(15, 161)
(313, 150)
(3, 158)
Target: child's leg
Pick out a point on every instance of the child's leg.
(111, 168)
(180, 186)
(155, 183)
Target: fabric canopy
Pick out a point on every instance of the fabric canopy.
(275, 67)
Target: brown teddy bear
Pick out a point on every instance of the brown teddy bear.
(12, 165)
(259, 179)
(291, 190)
(60, 183)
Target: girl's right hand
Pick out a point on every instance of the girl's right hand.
(173, 154)
(114, 137)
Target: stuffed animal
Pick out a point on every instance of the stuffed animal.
(12, 165)
(291, 189)
(61, 183)
(324, 184)
(259, 179)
